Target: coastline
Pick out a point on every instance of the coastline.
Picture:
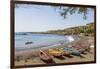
(33, 54)
(35, 49)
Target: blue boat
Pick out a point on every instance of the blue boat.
(72, 51)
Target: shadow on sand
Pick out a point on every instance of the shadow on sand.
(48, 62)
(60, 58)
(69, 56)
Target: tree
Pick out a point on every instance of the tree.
(64, 11)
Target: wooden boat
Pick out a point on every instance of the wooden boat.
(56, 52)
(45, 56)
(72, 51)
(81, 48)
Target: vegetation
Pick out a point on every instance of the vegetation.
(70, 10)
(86, 30)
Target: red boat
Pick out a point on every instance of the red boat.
(45, 56)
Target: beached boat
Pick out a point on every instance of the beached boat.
(72, 51)
(45, 56)
(56, 52)
(81, 48)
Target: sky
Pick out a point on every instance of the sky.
(40, 18)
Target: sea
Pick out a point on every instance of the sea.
(26, 40)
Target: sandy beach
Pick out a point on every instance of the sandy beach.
(31, 57)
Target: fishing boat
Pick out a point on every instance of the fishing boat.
(56, 52)
(28, 43)
(81, 48)
(72, 51)
(45, 56)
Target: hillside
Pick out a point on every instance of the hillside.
(86, 30)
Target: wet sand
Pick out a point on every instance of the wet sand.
(31, 57)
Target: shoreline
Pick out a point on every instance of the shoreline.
(33, 53)
(60, 43)
(65, 44)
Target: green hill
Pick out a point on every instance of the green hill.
(87, 29)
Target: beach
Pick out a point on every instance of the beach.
(31, 57)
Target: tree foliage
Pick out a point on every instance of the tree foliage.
(64, 11)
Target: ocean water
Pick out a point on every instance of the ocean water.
(39, 40)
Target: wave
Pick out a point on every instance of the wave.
(70, 38)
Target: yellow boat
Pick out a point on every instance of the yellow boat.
(57, 52)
